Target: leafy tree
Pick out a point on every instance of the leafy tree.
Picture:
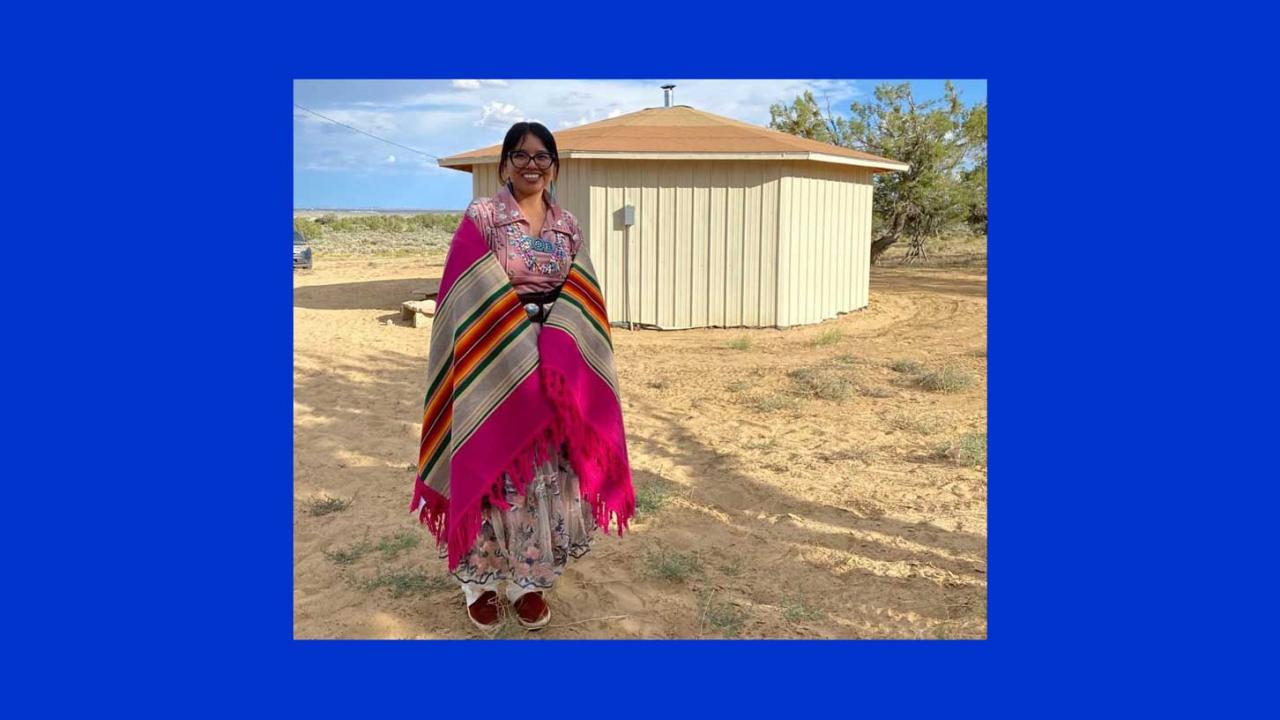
(928, 136)
(943, 142)
(805, 118)
(973, 180)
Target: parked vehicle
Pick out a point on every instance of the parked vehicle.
(301, 252)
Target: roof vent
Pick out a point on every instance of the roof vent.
(666, 95)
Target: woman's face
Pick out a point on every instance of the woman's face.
(530, 179)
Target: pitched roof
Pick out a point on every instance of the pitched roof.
(681, 132)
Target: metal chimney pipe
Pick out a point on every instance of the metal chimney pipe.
(667, 95)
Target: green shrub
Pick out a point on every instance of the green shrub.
(822, 381)
(673, 566)
(349, 555)
(324, 505)
(650, 497)
(947, 380)
(720, 615)
(402, 582)
(908, 367)
(392, 545)
(830, 336)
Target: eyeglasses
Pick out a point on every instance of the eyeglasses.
(521, 159)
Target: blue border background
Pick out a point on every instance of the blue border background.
(151, 506)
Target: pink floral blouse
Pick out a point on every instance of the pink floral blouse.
(534, 263)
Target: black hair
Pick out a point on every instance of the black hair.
(517, 133)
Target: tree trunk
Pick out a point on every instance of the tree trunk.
(891, 232)
(916, 251)
(881, 244)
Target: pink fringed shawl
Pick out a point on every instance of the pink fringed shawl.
(502, 396)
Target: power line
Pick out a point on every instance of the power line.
(362, 132)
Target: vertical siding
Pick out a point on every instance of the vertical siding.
(683, 258)
(824, 241)
(751, 239)
(821, 232)
(699, 294)
(811, 262)
(667, 261)
(796, 207)
(850, 261)
(767, 298)
(484, 181)
(631, 196)
(853, 205)
(595, 228)
(845, 247)
(782, 301)
(716, 230)
(609, 211)
(863, 269)
(574, 195)
(825, 233)
(800, 248)
(733, 244)
(725, 243)
(836, 242)
(648, 224)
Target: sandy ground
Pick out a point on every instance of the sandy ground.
(779, 506)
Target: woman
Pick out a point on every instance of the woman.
(523, 455)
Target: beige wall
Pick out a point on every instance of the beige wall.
(721, 243)
(824, 256)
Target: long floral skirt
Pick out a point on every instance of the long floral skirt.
(530, 544)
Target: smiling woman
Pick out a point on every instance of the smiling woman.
(523, 455)
(535, 238)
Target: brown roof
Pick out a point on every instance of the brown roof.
(677, 129)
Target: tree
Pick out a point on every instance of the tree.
(943, 143)
(928, 136)
(973, 180)
(805, 118)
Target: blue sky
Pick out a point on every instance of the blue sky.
(334, 167)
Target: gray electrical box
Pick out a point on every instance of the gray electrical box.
(628, 215)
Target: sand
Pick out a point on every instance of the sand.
(789, 509)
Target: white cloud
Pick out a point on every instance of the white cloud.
(499, 114)
(477, 84)
(591, 117)
(391, 159)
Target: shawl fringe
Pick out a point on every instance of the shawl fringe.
(592, 458)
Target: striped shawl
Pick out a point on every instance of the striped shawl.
(501, 396)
